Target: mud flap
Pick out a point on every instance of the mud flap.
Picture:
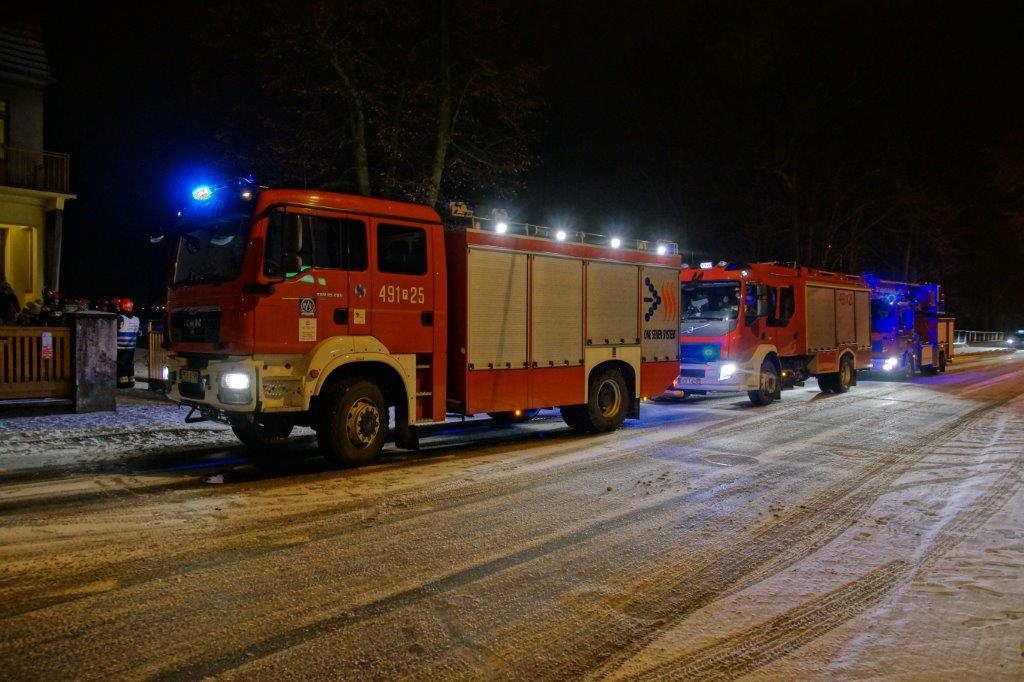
(634, 409)
(407, 437)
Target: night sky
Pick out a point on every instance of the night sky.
(654, 118)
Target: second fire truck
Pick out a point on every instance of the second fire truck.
(762, 327)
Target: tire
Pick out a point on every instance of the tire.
(263, 431)
(353, 423)
(575, 416)
(844, 378)
(827, 383)
(607, 404)
(512, 417)
(768, 385)
(942, 361)
(909, 366)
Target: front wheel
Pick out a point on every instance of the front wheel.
(909, 366)
(607, 403)
(353, 423)
(768, 385)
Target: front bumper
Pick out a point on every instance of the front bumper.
(244, 385)
(716, 376)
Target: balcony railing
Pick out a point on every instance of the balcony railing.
(33, 169)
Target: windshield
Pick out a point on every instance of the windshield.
(213, 232)
(212, 252)
(711, 301)
(710, 308)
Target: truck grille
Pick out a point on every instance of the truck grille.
(699, 353)
(195, 326)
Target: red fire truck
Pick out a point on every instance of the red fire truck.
(292, 307)
(909, 328)
(762, 327)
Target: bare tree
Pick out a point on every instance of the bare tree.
(412, 100)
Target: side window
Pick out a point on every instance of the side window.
(401, 250)
(324, 242)
(786, 306)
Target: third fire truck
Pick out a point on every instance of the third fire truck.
(762, 327)
(296, 307)
(910, 331)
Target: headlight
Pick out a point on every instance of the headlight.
(236, 381)
(890, 364)
(726, 371)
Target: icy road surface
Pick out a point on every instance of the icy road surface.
(873, 535)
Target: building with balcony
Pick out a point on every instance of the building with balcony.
(33, 181)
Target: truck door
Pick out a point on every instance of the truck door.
(323, 259)
(402, 291)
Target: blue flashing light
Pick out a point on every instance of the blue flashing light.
(202, 193)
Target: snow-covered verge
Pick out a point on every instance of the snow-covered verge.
(144, 422)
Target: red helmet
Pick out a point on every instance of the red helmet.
(127, 305)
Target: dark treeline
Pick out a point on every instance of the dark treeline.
(851, 135)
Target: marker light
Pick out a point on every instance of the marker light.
(501, 228)
(202, 193)
(662, 249)
(560, 235)
(616, 242)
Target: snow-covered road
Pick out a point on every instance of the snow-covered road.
(875, 534)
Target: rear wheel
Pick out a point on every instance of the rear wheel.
(768, 385)
(263, 430)
(353, 423)
(607, 403)
(844, 378)
(942, 361)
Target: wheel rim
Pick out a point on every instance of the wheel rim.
(845, 373)
(768, 381)
(363, 423)
(609, 399)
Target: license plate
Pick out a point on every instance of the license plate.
(189, 376)
(693, 381)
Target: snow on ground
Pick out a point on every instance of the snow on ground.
(144, 422)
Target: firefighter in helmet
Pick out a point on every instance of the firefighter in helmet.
(128, 333)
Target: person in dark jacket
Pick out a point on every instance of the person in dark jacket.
(10, 306)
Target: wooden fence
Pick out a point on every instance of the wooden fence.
(35, 362)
